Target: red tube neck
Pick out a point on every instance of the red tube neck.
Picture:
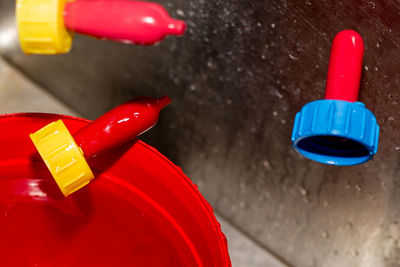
(345, 65)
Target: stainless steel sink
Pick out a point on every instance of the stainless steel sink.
(237, 79)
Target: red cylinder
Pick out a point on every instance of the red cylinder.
(126, 21)
(345, 65)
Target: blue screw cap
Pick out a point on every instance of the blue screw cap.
(336, 132)
(339, 130)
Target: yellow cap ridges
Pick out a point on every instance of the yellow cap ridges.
(62, 156)
(41, 27)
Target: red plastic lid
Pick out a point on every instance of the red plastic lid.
(140, 211)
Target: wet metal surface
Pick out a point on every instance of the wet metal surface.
(237, 79)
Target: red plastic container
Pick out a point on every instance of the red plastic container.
(141, 210)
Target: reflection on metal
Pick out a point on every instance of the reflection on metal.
(8, 31)
(8, 38)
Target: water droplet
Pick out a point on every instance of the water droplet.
(378, 45)
(200, 183)
(371, 4)
(192, 87)
(263, 57)
(348, 185)
(243, 205)
(275, 113)
(180, 12)
(266, 164)
(354, 252)
(358, 188)
(273, 25)
(349, 225)
(242, 143)
(303, 191)
(234, 208)
(276, 225)
(325, 235)
(292, 57)
(266, 195)
(243, 188)
(366, 68)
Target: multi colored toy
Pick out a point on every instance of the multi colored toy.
(339, 130)
(47, 26)
(65, 155)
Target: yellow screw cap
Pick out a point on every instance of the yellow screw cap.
(62, 156)
(41, 27)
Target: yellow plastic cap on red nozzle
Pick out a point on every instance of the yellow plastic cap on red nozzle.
(41, 27)
(63, 157)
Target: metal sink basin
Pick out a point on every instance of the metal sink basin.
(237, 79)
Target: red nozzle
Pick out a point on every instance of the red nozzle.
(120, 125)
(345, 64)
(176, 27)
(122, 20)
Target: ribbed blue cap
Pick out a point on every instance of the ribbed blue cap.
(336, 132)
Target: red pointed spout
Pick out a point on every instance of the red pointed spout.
(120, 125)
(163, 102)
(176, 27)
